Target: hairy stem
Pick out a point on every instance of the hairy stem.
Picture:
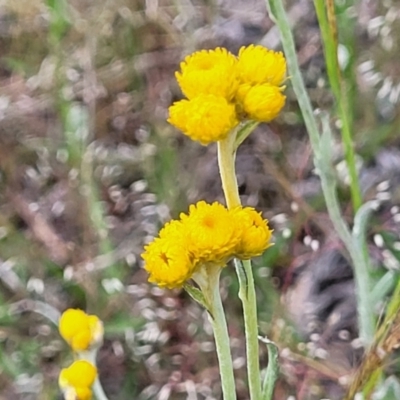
(247, 294)
(354, 242)
(222, 342)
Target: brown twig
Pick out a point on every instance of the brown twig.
(41, 229)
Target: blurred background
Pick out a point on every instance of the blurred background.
(90, 170)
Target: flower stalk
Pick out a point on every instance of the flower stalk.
(247, 295)
(209, 285)
(226, 160)
(222, 343)
(97, 388)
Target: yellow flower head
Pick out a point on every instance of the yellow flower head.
(80, 330)
(168, 259)
(255, 233)
(76, 380)
(208, 236)
(208, 72)
(261, 102)
(258, 65)
(212, 232)
(206, 118)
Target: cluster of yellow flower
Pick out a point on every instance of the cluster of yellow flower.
(223, 90)
(82, 332)
(76, 380)
(208, 234)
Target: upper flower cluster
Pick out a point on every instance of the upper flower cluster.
(208, 234)
(80, 330)
(223, 89)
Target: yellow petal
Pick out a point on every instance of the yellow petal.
(212, 232)
(167, 258)
(258, 65)
(255, 235)
(261, 102)
(205, 118)
(208, 72)
(80, 330)
(76, 380)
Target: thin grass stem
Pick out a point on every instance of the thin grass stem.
(358, 254)
(327, 22)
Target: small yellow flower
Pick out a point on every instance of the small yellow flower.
(212, 232)
(255, 233)
(208, 72)
(168, 259)
(258, 65)
(76, 380)
(206, 118)
(80, 330)
(261, 102)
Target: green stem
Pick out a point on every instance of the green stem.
(247, 295)
(355, 241)
(322, 154)
(278, 15)
(226, 162)
(350, 156)
(327, 23)
(218, 322)
(97, 388)
(362, 268)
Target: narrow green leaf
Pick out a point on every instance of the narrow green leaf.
(384, 286)
(197, 295)
(272, 372)
(241, 273)
(244, 131)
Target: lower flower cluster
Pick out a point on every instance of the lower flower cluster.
(208, 234)
(76, 380)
